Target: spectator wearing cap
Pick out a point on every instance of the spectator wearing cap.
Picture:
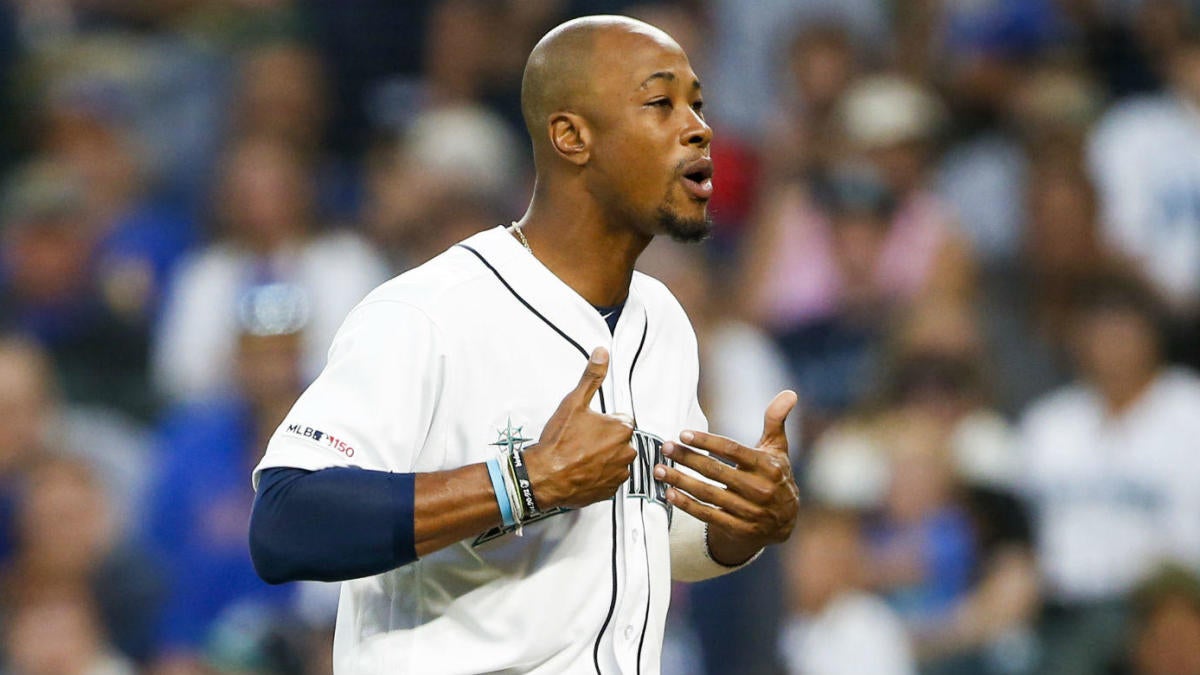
(201, 502)
(862, 240)
(450, 174)
(270, 233)
(1111, 465)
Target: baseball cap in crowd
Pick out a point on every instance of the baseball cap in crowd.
(468, 145)
(887, 110)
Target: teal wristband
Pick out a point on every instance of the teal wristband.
(506, 514)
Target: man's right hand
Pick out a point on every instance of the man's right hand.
(582, 456)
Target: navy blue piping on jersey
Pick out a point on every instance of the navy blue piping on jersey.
(641, 503)
(604, 409)
(548, 322)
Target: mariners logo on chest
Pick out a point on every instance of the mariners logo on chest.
(642, 483)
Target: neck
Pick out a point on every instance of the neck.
(582, 244)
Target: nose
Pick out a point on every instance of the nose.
(698, 133)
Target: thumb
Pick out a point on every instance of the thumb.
(593, 377)
(777, 411)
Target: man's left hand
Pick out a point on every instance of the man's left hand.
(756, 499)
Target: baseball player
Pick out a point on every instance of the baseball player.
(504, 457)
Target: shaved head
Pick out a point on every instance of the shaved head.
(562, 68)
(614, 111)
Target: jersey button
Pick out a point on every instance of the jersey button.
(629, 631)
(636, 535)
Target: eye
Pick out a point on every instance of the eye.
(698, 106)
(661, 103)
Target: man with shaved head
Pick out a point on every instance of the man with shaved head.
(490, 509)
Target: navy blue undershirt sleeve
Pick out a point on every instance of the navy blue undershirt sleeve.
(331, 525)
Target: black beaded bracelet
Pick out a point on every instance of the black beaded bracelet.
(516, 462)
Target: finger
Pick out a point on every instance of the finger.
(714, 495)
(593, 377)
(721, 447)
(774, 435)
(703, 512)
(709, 467)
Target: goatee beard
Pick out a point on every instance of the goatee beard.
(684, 230)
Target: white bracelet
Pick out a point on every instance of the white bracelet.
(510, 486)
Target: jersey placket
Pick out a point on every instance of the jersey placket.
(633, 593)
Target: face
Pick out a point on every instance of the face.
(1062, 236)
(650, 146)
(266, 195)
(1116, 347)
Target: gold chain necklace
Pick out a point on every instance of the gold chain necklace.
(521, 235)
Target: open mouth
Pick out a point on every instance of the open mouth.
(697, 178)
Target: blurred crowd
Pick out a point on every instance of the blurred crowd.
(967, 232)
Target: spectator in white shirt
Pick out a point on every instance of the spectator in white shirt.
(1112, 468)
(266, 206)
(835, 627)
(1145, 155)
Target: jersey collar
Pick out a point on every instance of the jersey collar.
(545, 292)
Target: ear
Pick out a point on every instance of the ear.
(571, 137)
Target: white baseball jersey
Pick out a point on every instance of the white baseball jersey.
(430, 372)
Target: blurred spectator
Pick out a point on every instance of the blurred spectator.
(1165, 636)
(55, 631)
(48, 263)
(822, 61)
(68, 538)
(1111, 465)
(89, 126)
(829, 261)
(202, 501)
(156, 98)
(835, 627)
(39, 423)
(1145, 155)
(453, 173)
(746, 72)
(1041, 115)
(933, 387)
(265, 207)
(1129, 43)
(280, 92)
(1026, 305)
(921, 548)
